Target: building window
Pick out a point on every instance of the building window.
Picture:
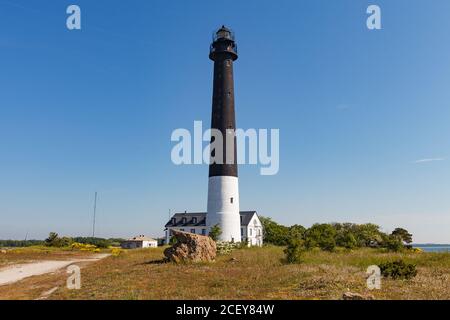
(242, 232)
(204, 232)
(174, 220)
(192, 230)
(184, 220)
(231, 199)
(250, 231)
(194, 220)
(241, 219)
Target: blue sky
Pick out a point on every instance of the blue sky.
(93, 110)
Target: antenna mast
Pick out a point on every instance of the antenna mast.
(95, 209)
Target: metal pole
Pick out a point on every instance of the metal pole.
(95, 209)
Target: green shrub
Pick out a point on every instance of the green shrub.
(346, 240)
(98, 242)
(398, 269)
(54, 240)
(294, 251)
(215, 232)
(275, 233)
(393, 243)
(322, 236)
(172, 240)
(403, 235)
(243, 244)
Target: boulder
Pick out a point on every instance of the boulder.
(357, 296)
(191, 247)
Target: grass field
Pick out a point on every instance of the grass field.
(254, 273)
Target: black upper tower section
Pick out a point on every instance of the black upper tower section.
(223, 52)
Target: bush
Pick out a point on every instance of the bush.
(393, 243)
(346, 240)
(84, 247)
(398, 270)
(322, 236)
(54, 240)
(98, 242)
(172, 240)
(116, 252)
(215, 232)
(20, 243)
(403, 235)
(225, 248)
(328, 236)
(294, 251)
(275, 233)
(243, 244)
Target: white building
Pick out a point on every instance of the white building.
(251, 227)
(139, 242)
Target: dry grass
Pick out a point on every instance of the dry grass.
(36, 253)
(258, 273)
(254, 273)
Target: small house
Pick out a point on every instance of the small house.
(139, 242)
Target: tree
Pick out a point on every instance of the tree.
(403, 235)
(346, 240)
(322, 236)
(295, 250)
(64, 242)
(296, 231)
(274, 233)
(215, 232)
(368, 235)
(52, 239)
(393, 243)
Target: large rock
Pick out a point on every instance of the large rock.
(191, 248)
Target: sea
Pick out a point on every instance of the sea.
(433, 247)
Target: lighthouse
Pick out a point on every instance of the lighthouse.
(223, 189)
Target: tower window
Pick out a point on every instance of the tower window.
(231, 199)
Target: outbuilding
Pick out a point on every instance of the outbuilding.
(139, 242)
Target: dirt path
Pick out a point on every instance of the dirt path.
(12, 274)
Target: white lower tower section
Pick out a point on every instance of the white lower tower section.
(223, 207)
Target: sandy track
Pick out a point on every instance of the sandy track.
(18, 272)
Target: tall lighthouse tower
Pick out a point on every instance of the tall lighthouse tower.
(223, 191)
